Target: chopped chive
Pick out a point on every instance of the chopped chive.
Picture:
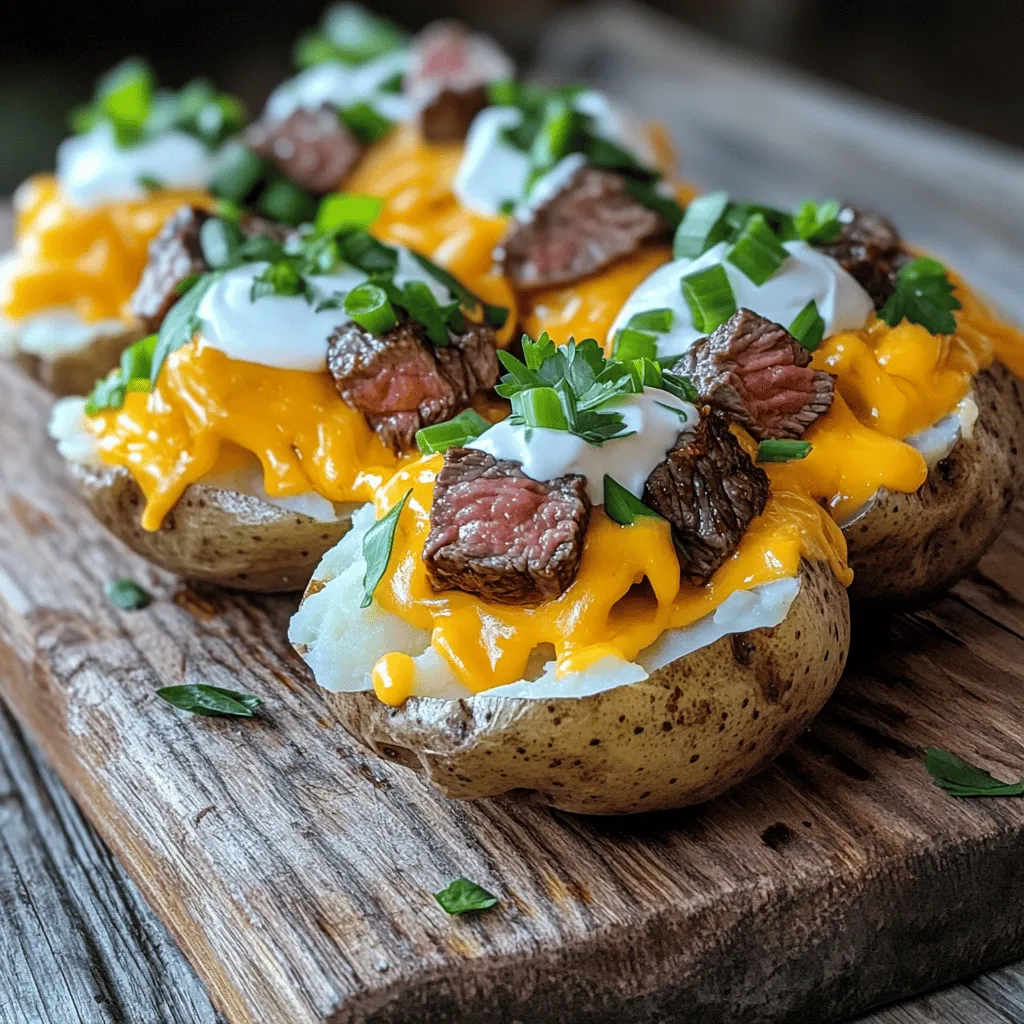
(554, 139)
(758, 251)
(220, 241)
(773, 450)
(540, 407)
(622, 506)
(808, 327)
(365, 123)
(456, 432)
(240, 171)
(701, 226)
(127, 595)
(285, 201)
(646, 373)
(631, 344)
(370, 307)
(658, 320)
(709, 295)
(343, 210)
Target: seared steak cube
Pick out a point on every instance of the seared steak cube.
(586, 226)
(709, 490)
(174, 256)
(497, 533)
(311, 147)
(871, 250)
(449, 71)
(401, 382)
(759, 375)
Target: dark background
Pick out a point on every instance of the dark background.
(959, 60)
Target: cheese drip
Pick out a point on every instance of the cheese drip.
(628, 590)
(206, 405)
(84, 260)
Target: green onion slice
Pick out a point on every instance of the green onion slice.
(773, 450)
(658, 320)
(709, 295)
(622, 506)
(808, 327)
(540, 407)
(758, 251)
(631, 344)
(285, 201)
(454, 433)
(342, 210)
(377, 545)
(240, 171)
(370, 307)
(365, 123)
(701, 226)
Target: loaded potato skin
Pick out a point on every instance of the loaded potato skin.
(693, 729)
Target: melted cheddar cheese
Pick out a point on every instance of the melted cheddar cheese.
(206, 406)
(627, 592)
(85, 260)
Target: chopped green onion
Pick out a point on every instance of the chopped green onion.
(622, 506)
(808, 327)
(277, 279)
(540, 407)
(416, 298)
(350, 35)
(220, 241)
(127, 595)
(285, 201)
(773, 450)
(377, 544)
(701, 226)
(658, 320)
(646, 373)
(226, 209)
(125, 97)
(758, 251)
(709, 295)
(554, 139)
(504, 92)
(817, 222)
(631, 344)
(342, 210)
(494, 316)
(363, 121)
(132, 375)
(369, 306)
(239, 172)
(646, 194)
(456, 432)
(679, 385)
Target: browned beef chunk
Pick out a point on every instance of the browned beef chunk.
(588, 225)
(759, 375)
(871, 250)
(401, 382)
(449, 70)
(174, 255)
(311, 147)
(709, 490)
(498, 533)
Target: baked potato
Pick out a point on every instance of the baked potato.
(908, 547)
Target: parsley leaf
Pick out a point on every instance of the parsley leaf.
(817, 222)
(923, 295)
(377, 545)
(959, 778)
(181, 323)
(463, 896)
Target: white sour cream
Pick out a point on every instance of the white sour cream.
(285, 331)
(493, 172)
(807, 274)
(92, 169)
(340, 85)
(656, 417)
(341, 641)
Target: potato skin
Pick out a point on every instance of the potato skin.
(75, 373)
(690, 731)
(214, 535)
(908, 547)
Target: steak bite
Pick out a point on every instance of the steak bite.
(709, 490)
(449, 70)
(401, 382)
(174, 256)
(759, 375)
(497, 533)
(311, 147)
(869, 249)
(588, 224)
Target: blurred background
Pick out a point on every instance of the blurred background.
(958, 60)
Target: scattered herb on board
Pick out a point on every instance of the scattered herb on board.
(127, 595)
(463, 896)
(959, 778)
(210, 701)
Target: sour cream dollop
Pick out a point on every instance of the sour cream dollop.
(655, 417)
(807, 274)
(93, 169)
(340, 85)
(286, 331)
(493, 172)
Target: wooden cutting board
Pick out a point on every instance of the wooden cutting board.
(297, 872)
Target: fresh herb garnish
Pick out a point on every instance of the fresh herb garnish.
(220, 242)
(817, 221)
(210, 701)
(808, 327)
(960, 778)
(633, 344)
(702, 227)
(349, 34)
(622, 506)
(132, 375)
(757, 252)
(181, 323)
(149, 182)
(710, 297)
(658, 320)
(495, 316)
(377, 545)
(463, 896)
(127, 595)
(368, 305)
(454, 433)
(365, 123)
(342, 210)
(238, 173)
(923, 295)
(779, 450)
(284, 201)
